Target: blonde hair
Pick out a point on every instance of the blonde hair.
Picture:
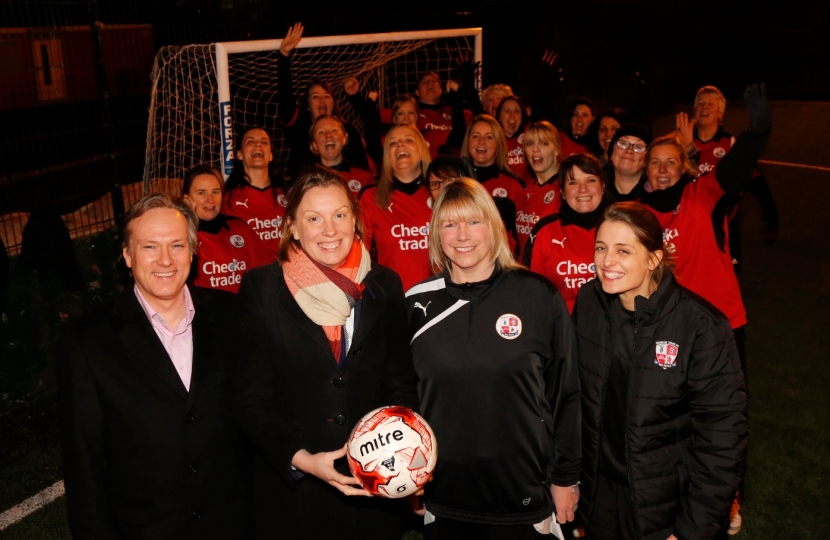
(383, 194)
(499, 90)
(544, 130)
(501, 140)
(671, 140)
(719, 97)
(461, 200)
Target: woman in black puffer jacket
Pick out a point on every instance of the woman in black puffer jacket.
(663, 398)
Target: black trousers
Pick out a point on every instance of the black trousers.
(450, 529)
(612, 517)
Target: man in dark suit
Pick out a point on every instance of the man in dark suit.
(150, 448)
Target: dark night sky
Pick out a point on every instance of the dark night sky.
(679, 46)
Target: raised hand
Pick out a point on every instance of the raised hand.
(760, 113)
(685, 129)
(292, 38)
(467, 68)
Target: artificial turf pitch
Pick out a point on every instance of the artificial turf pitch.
(786, 288)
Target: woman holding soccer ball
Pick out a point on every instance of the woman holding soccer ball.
(494, 350)
(663, 397)
(323, 341)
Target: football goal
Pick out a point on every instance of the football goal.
(204, 94)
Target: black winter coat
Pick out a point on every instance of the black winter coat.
(290, 394)
(686, 426)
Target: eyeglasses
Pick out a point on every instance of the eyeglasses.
(636, 148)
(436, 184)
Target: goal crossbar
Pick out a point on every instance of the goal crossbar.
(223, 49)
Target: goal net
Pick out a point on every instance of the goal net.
(204, 94)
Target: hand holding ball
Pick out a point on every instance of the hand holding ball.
(392, 451)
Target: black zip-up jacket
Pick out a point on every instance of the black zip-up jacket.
(498, 384)
(686, 427)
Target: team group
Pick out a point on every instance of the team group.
(601, 380)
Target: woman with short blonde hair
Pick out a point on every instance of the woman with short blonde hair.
(493, 347)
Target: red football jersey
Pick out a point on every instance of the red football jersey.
(700, 265)
(224, 257)
(569, 147)
(400, 232)
(565, 255)
(262, 209)
(542, 200)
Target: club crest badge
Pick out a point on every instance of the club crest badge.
(500, 192)
(509, 326)
(666, 354)
(549, 196)
(237, 241)
(282, 200)
(719, 152)
(354, 185)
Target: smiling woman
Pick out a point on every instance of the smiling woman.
(397, 209)
(512, 375)
(296, 116)
(254, 193)
(561, 247)
(227, 247)
(325, 343)
(663, 446)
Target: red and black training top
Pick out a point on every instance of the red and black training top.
(695, 231)
(561, 248)
(542, 200)
(262, 209)
(228, 248)
(400, 232)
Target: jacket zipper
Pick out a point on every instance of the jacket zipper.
(627, 408)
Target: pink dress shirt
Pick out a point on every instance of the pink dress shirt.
(178, 342)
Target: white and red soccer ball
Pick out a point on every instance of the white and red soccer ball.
(392, 451)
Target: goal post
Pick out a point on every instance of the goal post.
(203, 95)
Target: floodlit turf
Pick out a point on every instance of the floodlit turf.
(786, 288)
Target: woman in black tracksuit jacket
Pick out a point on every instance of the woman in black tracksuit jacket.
(663, 397)
(493, 348)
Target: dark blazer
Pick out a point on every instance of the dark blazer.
(143, 457)
(290, 395)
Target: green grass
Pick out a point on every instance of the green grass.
(786, 288)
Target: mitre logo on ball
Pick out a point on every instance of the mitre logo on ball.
(392, 451)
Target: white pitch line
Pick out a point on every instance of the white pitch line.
(32, 504)
(799, 165)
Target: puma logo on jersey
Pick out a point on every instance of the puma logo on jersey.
(424, 308)
(242, 203)
(560, 242)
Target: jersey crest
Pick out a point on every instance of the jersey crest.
(666, 354)
(237, 241)
(509, 326)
